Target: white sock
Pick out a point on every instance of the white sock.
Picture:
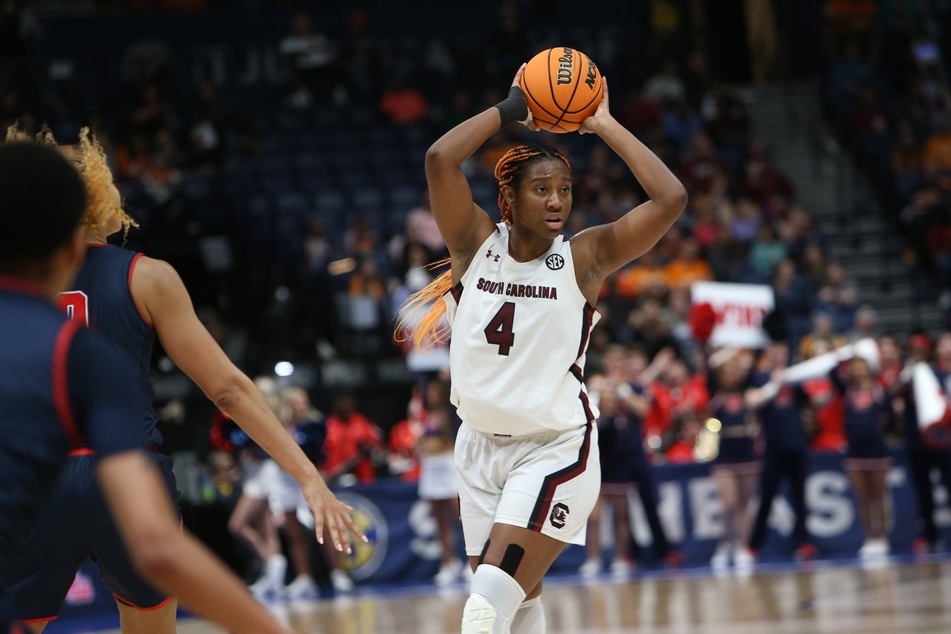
(494, 599)
(529, 618)
(274, 569)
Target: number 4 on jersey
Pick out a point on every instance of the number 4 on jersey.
(499, 331)
(76, 306)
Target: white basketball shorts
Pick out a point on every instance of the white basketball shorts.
(546, 482)
(267, 481)
(437, 477)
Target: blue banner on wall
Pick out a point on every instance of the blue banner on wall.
(403, 547)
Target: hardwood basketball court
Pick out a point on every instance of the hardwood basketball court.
(895, 597)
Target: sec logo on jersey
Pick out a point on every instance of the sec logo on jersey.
(555, 262)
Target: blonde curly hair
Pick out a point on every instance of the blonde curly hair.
(90, 160)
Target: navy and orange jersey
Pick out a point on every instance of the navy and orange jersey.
(62, 386)
(867, 412)
(781, 416)
(101, 298)
(728, 406)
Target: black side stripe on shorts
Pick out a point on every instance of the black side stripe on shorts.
(543, 502)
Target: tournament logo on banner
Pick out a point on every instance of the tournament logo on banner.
(739, 310)
(367, 557)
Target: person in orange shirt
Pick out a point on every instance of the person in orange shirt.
(678, 393)
(938, 148)
(352, 441)
(645, 277)
(403, 104)
(404, 436)
(688, 267)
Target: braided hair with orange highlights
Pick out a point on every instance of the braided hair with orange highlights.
(509, 169)
(430, 331)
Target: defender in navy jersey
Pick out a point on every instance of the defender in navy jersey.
(520, 302)
(64, 387)
(130, 299)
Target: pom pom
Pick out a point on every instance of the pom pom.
(702, 320)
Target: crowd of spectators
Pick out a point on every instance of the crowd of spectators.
(341, 282)
(886, 90)
(337, 282)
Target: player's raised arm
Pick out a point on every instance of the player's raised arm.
(164, 301)
(609, 247)
(172, 559)
(463, 224)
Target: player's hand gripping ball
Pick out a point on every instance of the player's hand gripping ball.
(562, 87)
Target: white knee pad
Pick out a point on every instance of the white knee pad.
(494, 599)
(529, 618)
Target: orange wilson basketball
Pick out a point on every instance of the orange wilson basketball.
(562, 87)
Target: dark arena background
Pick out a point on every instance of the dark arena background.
(272, 152)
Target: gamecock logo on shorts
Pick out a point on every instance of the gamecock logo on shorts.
(559, 515)
(554, 261)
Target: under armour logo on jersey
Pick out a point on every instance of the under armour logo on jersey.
(489, 255)
(554, 261)
(559, 515)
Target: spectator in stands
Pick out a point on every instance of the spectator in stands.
(644, 278)
(688, 267)
(361, 59)
(848, 72)
(766, 252)
(367, 297)
(421, 228)
(403, 104)
(865, 323)
(939, 250)
(702, 167)
(746, 221)
(647, 328)
(360, 238)
(938, 148)
(907, 161)
(871, 121)
(665, 87)
(677, 391)
(311, 62)
(353, 443)
(510, 43)
(684, 432)
(762, 181)
(403, 459)
(837, 298)
(151, 114)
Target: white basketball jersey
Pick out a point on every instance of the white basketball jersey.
(519, 335)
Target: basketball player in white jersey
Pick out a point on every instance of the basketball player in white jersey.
(520, 302)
